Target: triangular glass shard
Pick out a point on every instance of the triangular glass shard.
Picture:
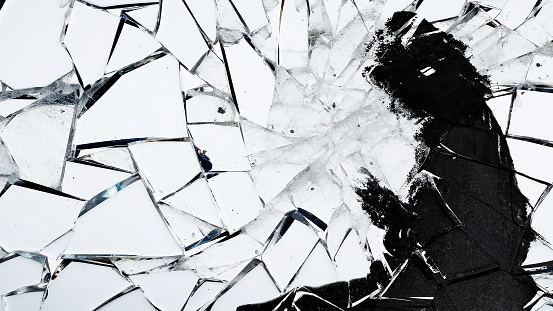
(515, 12)
(146, 16)
(18, 271)
(435, 10)
(86, 181)
(48, 137)
(212, 70)
(237, 198)
(83, 286)
(133, 300)
(186, 227)
(224, 145)
(253, 87)
(351, 261)
(203, 294)
(10, 106)
(115, 157)
(34, 45)
(189, 81)
(90, 27)
(196, 199)
(31, 219)
(146, 102)
(175, 24)
(255, 286)
(132, 45)
(127, 223)
(531, 189)
(258, 138)
(167, 290)
(285, 257)
(317, 270)
(539, 252)
(166, 165)
(57, 247)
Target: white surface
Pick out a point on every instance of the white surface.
(236, 197)
(167, 290)
(90, 27)
(252, 12)
(501, 107)
(204, 13)
(435, 10)
(126, 224)
(32, 45)
(132, 45)
(82, 286)
(515, 12)
(293, 38)
(145, 102)
(541, 219)
(176, 23)
(166, 165)
(31, 219)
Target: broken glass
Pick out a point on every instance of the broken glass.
(276, 155)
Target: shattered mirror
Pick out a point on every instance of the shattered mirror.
(183, 155)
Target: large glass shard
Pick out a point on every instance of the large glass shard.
(18, 271)
(293, 39)
(86, 181)
(146, 16)
(31, 219)
(255, 286)
(236, 197)
(48, 137)
(127, 223)
(146, 102)
(253, 87)
(131, 45)
(180, 164)
(34, 56)
(90, 27)
(224, 145)
(83, 286)
(177, 23)
(196, 199)
(284, 258)
(166, 290)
